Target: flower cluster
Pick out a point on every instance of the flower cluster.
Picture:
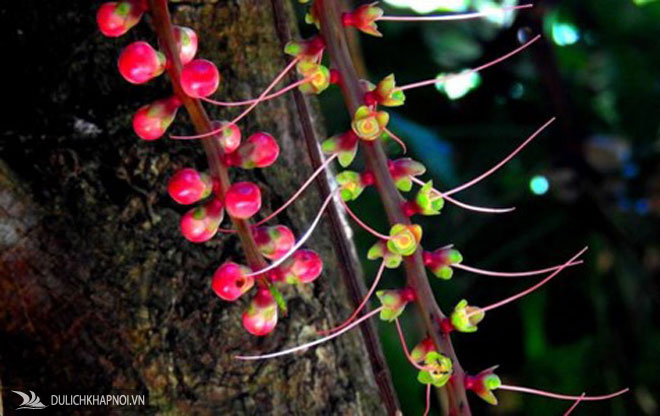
(198, 79)
(139, 63)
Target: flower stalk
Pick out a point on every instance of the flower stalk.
(162, 24)
(453, 395)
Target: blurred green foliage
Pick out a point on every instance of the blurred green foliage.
(595, 328)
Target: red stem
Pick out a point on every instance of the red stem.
(454, 398)
(162, 24)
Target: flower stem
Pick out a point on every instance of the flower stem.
(253, 100)
(561, 396)
(363, 225)
(530, 289)
(469, 71)
(502, 162)
(364, 302)
(162, 24)
(309, 344)
(463, 204)
(454, 398)
(300, 190)
(512, 274)
(300, 241)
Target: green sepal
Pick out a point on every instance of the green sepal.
(332, 145)
(351, 185)
(440, 370)
(319, 77)
(279, 299)
(465, 318)
(393, 303)
(380, 250)
(292, 48)
(387, 94)
(443, 272)
(429, 202)
(404, 184)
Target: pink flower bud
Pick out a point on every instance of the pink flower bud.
(483, 384)
(364, 18)
(152, 120)
(402, 169)
(309, 49)
(200, 78)
(139, 62)
(261, 317)
(421, 350)
(188, 186)
(441, 260)
(200, 224)
(116, 18)
(394, 301)
(230, 136)
(274, 242)
(186, 42)
(304, 266)
(243, 200)
(230, 281)
(259, 151)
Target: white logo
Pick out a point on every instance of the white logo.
(31, 401)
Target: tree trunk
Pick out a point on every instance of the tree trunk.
(99, 292)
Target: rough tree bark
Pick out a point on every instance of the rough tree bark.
(98, 290)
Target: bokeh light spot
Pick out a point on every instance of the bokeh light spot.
(539, 185)
(564, 34)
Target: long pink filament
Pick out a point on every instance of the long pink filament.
(561, 396)
(310, 344)
(470, 71)
(362, 224)
(247, 110)
(428, 399)
(574, 405)
(531, 289)
(253, 100)
(512, 274)
(457, 16)
(402, 338)
(300, 190)
(356, 312)
(502, 163)
(397, 139)
(300, 241)
(464, 205)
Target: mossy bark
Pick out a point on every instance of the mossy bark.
(99, 293)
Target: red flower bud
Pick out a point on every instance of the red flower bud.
(304, 266)
(230, 136)
(259, 151)
(200, 78)
(243, 200)
(261, 317)
(116, 18)
(152, 120)
(139, 62)
(188, 186)
(186, 42)
(200, 224)
(274, 242)
(230, 281)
